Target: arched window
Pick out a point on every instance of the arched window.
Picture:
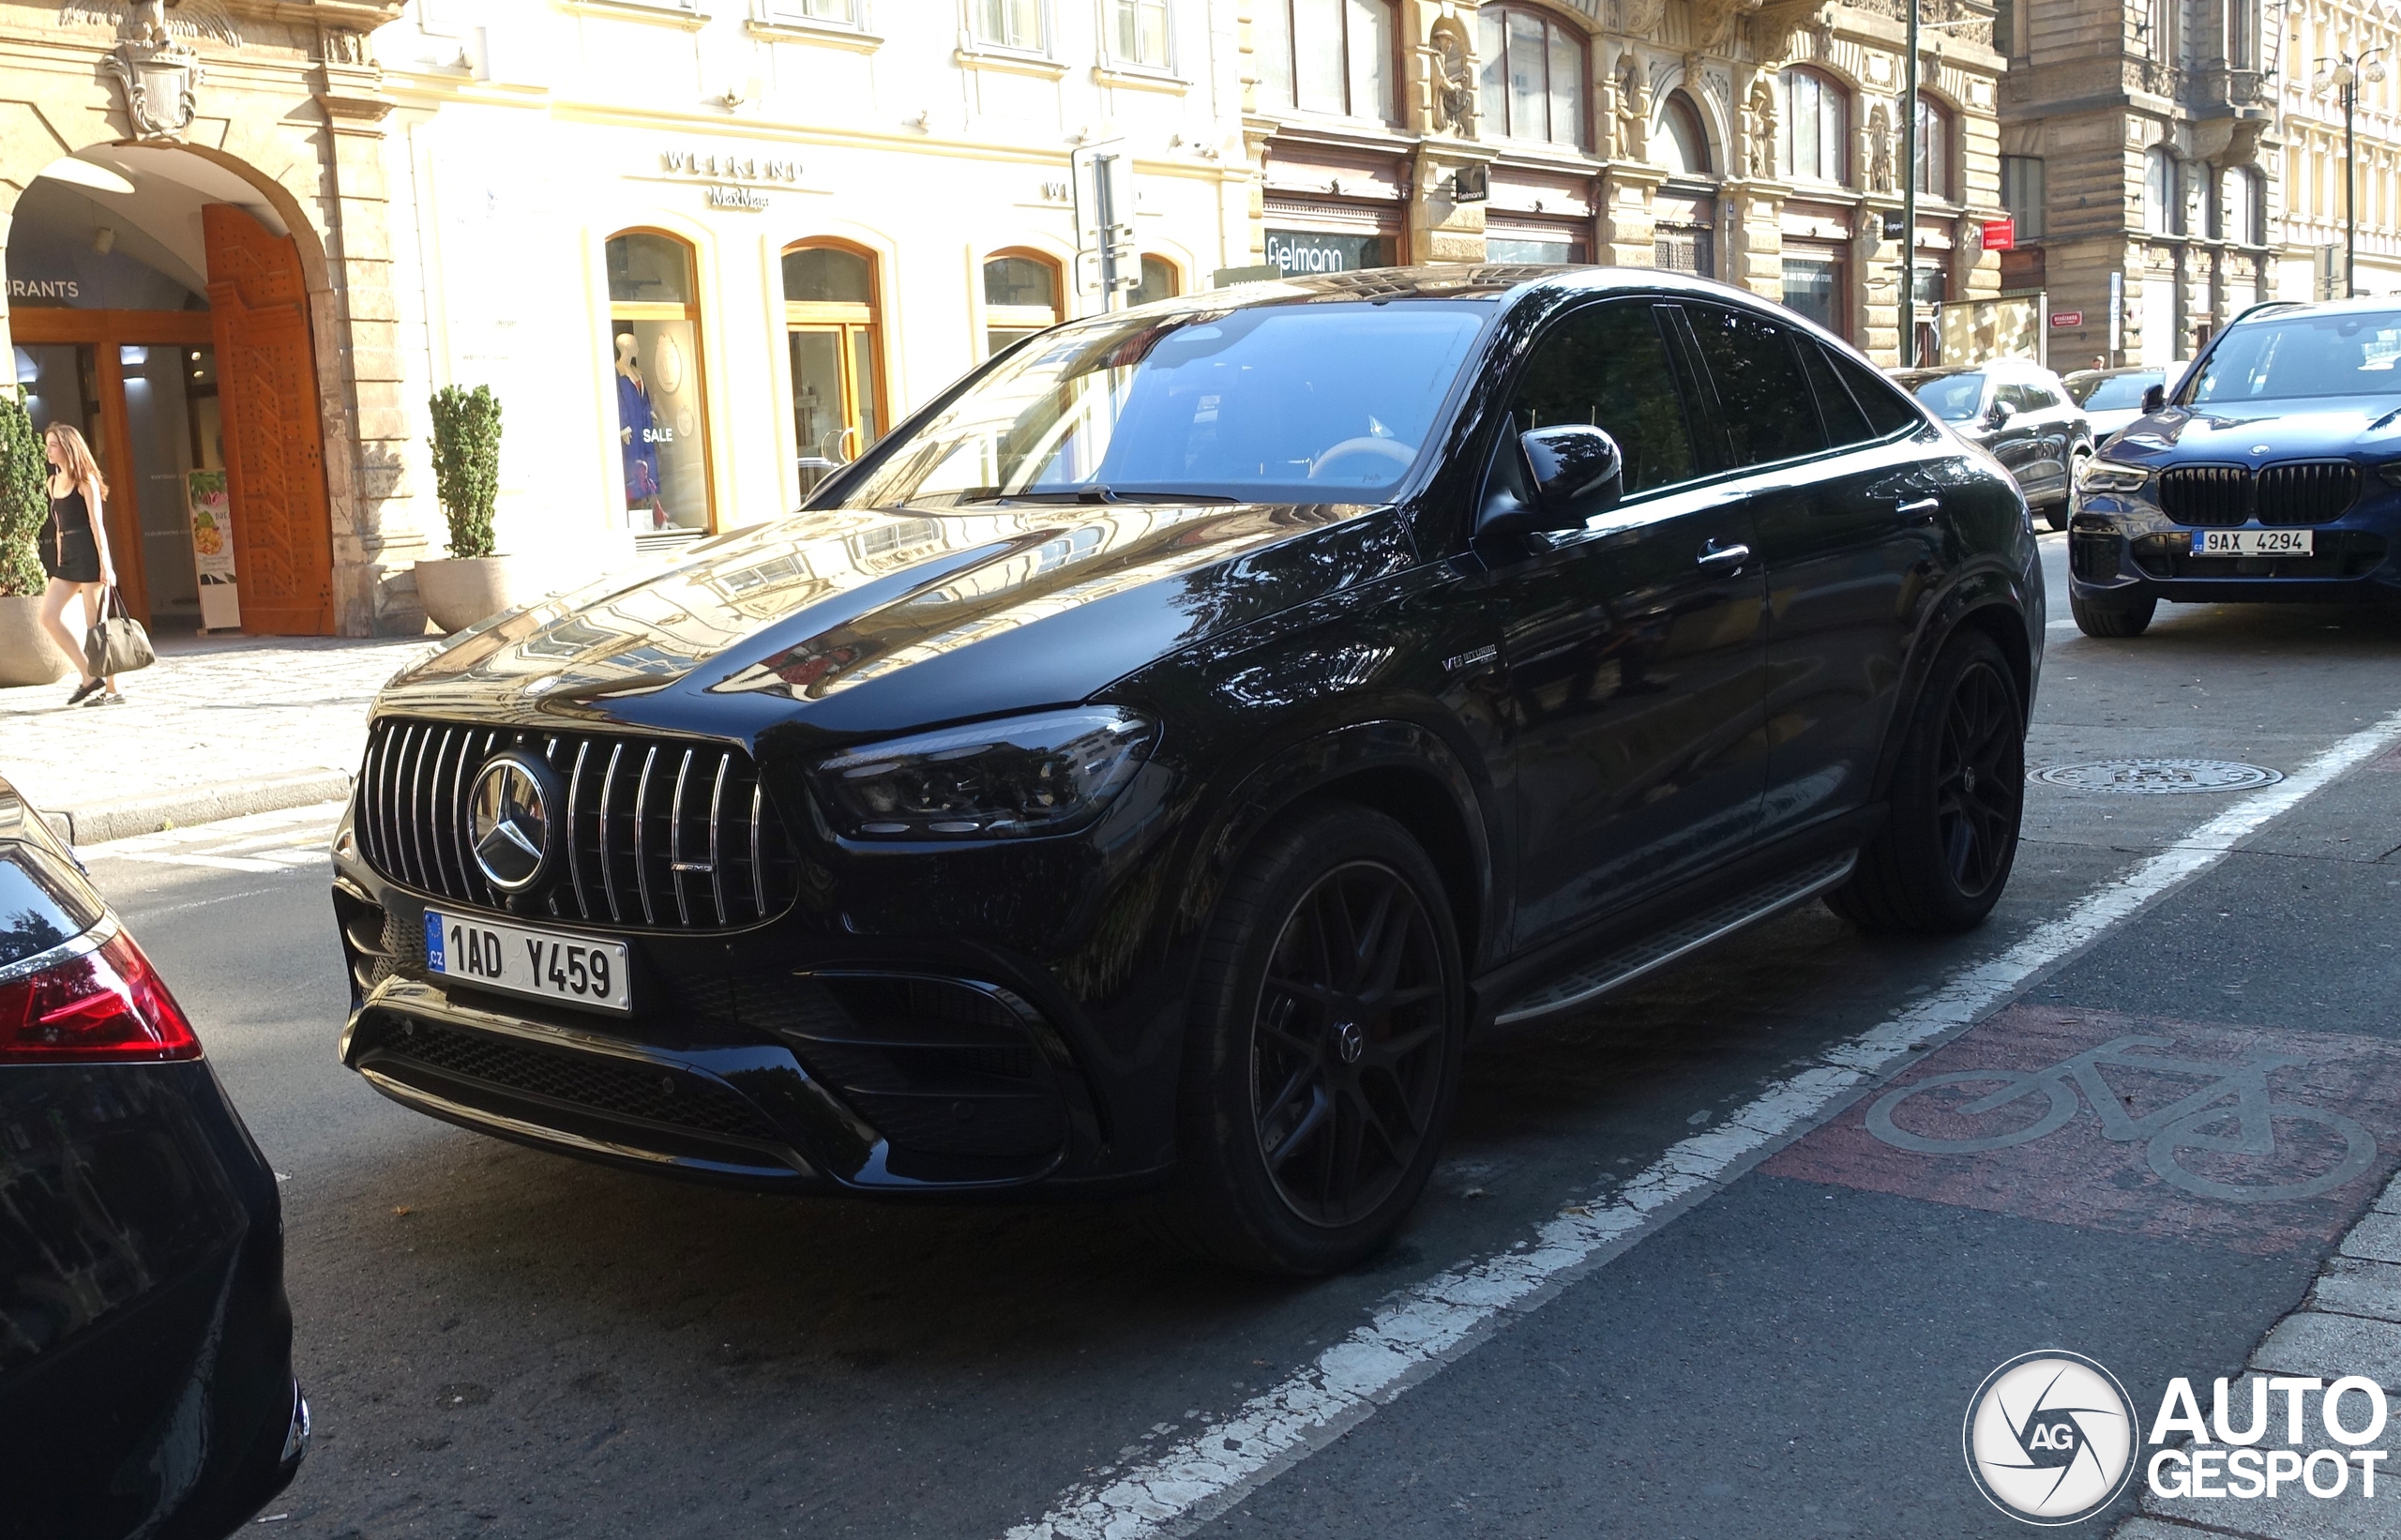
(2162, 208)
(1021, 297)
(662, 412)
(1683, 142)
(1535, 71)
(830, 329)
(1327, 55)
(1159, 281)
(1933, 149)
(1816, 128)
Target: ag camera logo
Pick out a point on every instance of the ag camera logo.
(2049, 1438)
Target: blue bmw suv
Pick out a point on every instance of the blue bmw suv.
(2274, 474)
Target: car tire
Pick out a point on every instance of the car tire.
(2058, 513)
(2111, 620)
(1944, 854)
(1323, 1060)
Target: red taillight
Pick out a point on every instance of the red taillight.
(104, 1005)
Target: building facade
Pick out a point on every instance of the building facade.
(1754, 142)
(2321, 39)
(2141, 158)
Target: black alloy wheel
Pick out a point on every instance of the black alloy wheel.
(1978, 788)
(1328, 1020)
(1958, 793)
(1347, 1044)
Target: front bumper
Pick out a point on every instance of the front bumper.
(774, 1058)
(2120, 550)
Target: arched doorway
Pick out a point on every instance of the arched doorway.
(157, 302)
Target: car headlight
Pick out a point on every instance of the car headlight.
(1019, 775)
(2108, 477)
(2390, 471)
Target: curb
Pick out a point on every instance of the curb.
(119, 817)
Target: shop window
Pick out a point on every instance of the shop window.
(1534, 244)
(1010, 24)
(662, 411)
(1159, 281)
(1326, 55)
(1138, 32)
(2021, 193)
(1021, 297)
(1933, 149)
(1816, 128)
(1813, 286)
(2162, 207)
(831, 331)
(1683, 143)
(2244, 199)
(1534, 73)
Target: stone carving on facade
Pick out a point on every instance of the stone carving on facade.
(1451, 80)
(1761, 127)
(1641, 17)
(351, 49)
(155, 69)
(1633, 108)
(1879, 149)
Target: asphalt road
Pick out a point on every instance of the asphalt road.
(501, 1342)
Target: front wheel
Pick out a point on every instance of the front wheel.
(1939, 863)
(2111, 620)
(1327, 1028)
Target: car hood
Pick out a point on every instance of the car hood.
(2341, 427)
(864, 620)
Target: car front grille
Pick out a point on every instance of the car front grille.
(2308, 491)
(2339, 554)
(2206, 494)
(2305, 492)
(598, 1082)
(665, 834)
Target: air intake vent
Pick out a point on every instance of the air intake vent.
(662, 834)
(2217, 496)
(2308, 491)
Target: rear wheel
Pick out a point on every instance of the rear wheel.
(2109, 620)
(1323, 1060)
(1943, 857)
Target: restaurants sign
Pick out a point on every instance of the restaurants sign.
(2000, 235)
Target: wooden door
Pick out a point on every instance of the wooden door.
(275, 452)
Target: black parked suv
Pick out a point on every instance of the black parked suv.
(2274, 475)
(1146, 766)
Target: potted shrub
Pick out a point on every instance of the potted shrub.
(474, 583)
(28, 655)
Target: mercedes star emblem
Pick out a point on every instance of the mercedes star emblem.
(509, 821)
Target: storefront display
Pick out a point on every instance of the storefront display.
(660, 403)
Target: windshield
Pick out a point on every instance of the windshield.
(2113, 392)
(1954, 398)
(1327, 402)
(2304, 356)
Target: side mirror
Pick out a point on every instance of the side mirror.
(2153, 399)
(1574, 472)
(1998, 414)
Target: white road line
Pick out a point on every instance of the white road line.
(1413, 1336)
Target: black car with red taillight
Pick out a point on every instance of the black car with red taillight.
(146, 1342)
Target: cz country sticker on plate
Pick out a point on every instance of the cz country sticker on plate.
(2253, 543)
(573, 970)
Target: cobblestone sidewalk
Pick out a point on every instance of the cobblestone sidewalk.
(200, 730)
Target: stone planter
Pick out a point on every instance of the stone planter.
(27, 655)
(458, 591)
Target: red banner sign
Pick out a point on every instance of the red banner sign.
(2000, 235)
(2060, 320)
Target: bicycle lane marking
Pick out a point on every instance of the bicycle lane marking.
(1412, 1335)
(2258, 1140)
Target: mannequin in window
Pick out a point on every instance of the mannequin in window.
(636, 433)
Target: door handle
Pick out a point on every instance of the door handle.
(1730, 557)
(1920, 507)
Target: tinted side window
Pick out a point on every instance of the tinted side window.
(1845, 422)
(1608, 366)
(1765, 400)
(39, 905)
(1888, 411)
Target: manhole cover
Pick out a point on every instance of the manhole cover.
(2160, 775)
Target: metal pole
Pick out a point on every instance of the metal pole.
(1909, 200)
(2350, 177)
(1104, 205)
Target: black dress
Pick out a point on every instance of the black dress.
(67, 549)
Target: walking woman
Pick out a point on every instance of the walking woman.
(75, 551)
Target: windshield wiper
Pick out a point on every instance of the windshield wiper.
(1096, 493)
